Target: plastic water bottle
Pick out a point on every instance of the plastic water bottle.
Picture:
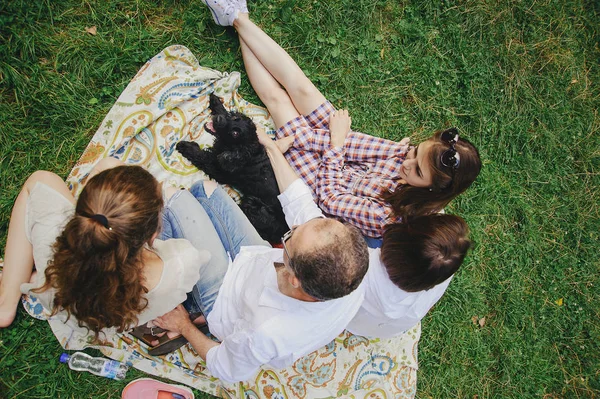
(80, 361)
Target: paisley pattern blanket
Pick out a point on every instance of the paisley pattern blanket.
(167, 101)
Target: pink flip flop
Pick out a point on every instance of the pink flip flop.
(147, 388)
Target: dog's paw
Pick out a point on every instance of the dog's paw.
(187, 148)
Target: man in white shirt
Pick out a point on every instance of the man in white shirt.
(277, 305)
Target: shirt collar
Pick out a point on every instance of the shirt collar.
(273, 298)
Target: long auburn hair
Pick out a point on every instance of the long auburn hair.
(97, 268)
(446, 183)
(422, 252)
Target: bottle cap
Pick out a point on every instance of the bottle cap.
(64, 358)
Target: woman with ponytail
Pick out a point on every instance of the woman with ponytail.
(97, 260)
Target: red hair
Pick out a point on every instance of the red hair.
(97, 267)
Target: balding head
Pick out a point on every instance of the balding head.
(329, 258)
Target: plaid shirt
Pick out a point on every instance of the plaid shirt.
(348, 182)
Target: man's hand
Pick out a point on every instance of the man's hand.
(281, 145)
(284, 143)
(264, 138)
(177, 320)
(339, 127)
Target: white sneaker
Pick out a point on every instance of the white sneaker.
(224, 12)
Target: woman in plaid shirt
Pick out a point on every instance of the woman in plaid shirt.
(368, 181)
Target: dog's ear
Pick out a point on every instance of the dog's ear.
(232, 161)
(216, 105)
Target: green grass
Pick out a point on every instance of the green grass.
(520, 79)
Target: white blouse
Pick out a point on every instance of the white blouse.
(48, 212)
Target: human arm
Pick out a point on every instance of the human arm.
(296, 198)
(235, 359)
(178, 321)
(367, 213)
(284, 174)
(358, 147)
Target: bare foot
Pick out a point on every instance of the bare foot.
(10, 297)
(8, 311)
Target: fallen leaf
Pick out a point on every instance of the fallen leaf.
(482, 322)
(474, 320)
(92, 31)
(574, 81)
(381, 54)
(559, 302)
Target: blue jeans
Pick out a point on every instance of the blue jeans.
(215, 224)
(373, 242)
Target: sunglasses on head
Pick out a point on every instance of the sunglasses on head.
(450, 158)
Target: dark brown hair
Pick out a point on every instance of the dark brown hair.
(446, 185)
(336, 265)
(425, 251)
(97, 268)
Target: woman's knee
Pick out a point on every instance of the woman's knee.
(51, 180)
(275, 97)
(303, 88)
(42, 176)
(280, 106)
(305, 95)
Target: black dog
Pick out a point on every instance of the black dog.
(238, 159)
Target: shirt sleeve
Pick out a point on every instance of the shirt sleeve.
(366, 213)
(312, 140)
(236, 358)
(362, 147)
(359, 147)
(298, 204)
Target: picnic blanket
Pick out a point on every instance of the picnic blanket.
(165, 102)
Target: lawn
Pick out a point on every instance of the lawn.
(518, 78)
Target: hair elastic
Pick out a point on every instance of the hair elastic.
(101, 219)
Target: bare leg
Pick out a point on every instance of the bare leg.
(18, 256)
(270, 92)
(303, 93)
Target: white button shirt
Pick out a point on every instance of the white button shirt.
(256, 323)
(387, 310)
